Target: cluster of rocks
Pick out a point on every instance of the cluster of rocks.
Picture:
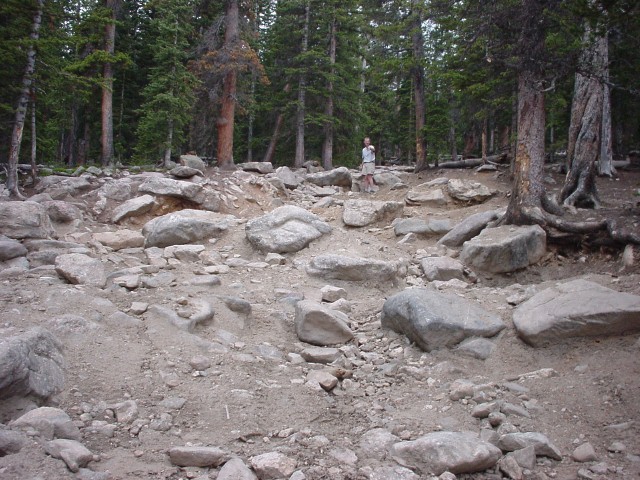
(156, 227)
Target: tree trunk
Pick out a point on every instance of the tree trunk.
(327, 146)
(584, 142)
(167, 150)
(34, 137)
(302, 92)
(226, 120)
(527, 191)
(107, 88)
(21, 110)
(485, 125)
(605, 165)
(417, 73)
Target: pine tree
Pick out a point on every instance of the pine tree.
(169, 94)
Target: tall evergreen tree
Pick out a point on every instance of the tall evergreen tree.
(169, 94)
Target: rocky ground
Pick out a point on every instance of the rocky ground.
(136, 385)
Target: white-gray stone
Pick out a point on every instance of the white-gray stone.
(133, 208)
(468, 191)
(290, 179)
(186, 226)
(332, 294)
(235, 469)
(340, 176)
(49, 422)
(285, 229)
(419, 226)
(320, 354)
(273, 466)
(193, 161)
(120, 239)
(518, 440)
(359, 213)
(429, 198)
(377, 442)
(62, 212)
(577, 308)
(80, 269)
(434, 319)
(340, 267)
(27, 219)
(455, 452)
(505, 249)
(197, 456)
(71, 452)
(169, 187)
(468, 228)
(442, 268)
(319, 325)
(260, 167)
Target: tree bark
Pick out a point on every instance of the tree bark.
(34, 137)
(302, 92)
(225, 123)
(417, 73)
(605, 165)
(21, 110)
(107, 88)
(327, 145)
(584, 142)
(528, 189)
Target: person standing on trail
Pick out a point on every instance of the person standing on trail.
(368, 164)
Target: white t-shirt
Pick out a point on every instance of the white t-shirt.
(368, 155)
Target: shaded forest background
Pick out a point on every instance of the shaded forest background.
(139, 82)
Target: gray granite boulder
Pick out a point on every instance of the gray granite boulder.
(31, 364)
(197, 456)
(133, 208)
(10, 248)
(439, 452)
(468, 191)
(285, 229)
(340, 177)
(182, 171)
(169, 187)
(59, 186)
(49, 422)
(517, 441)
(359, 213)
(193, 161)
(259, 167)
(435, 320)
(81, 269)
(468, 228)
(27, 219)
(320, 325)
(120, 239)
(505, 249)
(442, 268)
(340, 267)
(235, 469)
(62, 212)
(73, 453)
(430, 198)
(419, 226)
(290, 179)
(185, 226)
(578, 308)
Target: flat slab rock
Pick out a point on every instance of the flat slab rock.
(577, 308)
(435, 320)
(340, 267)
(359, 213)
(439, 452)
(505, 249)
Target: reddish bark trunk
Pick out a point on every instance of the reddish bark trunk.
(225, 123)
(107, 88)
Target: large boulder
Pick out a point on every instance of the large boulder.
(359, 213)
(81, 269)
(259, 167)
(169, 187)
(340, 267)
(468, 228)
(10, 248)
(193, 161)
(442, 268)
(290, 179)
(578, 308)
(340, 177)
(434, 319)
(505, 249)
(468, 191)
(134, 207)
(185, 226)
(24, 220)
(428, 198)
(320, 325)
(439, 452)
(120, 239)
(31, 364)
(59, 186)
(285, 229)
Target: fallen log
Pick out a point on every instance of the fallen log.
(474, 162)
